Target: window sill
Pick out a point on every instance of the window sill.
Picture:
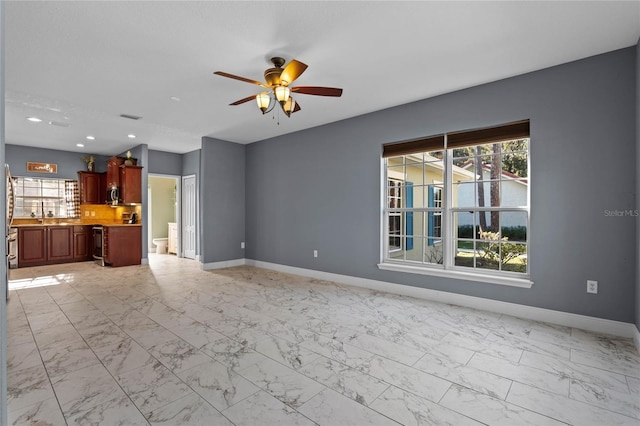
(461, 275)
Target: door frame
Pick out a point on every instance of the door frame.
(196, 210)
(178, 206)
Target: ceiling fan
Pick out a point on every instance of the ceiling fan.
(278, 81)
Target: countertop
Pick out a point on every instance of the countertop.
(32, 225)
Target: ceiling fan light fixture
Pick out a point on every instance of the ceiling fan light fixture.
(282, 94)
(263, 100)
(288, 106)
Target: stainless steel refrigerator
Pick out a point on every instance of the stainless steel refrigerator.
(11, 234)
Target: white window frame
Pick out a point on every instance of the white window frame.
(399, 198)
(448, 269)
(42, 199)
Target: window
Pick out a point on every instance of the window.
(466, 202)
(394, 200)
(54, 197)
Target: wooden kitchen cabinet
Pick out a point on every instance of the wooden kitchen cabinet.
(92, 187)
(122, 245)
(130, 184)
(82, 243)
(32, 246)
(59, 244)
(44, 245)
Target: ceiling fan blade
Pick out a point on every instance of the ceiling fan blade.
(296, 108)
(318, 91)
(292, 71)
(247, 99)
(237, 77)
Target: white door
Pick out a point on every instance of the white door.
(189, 216)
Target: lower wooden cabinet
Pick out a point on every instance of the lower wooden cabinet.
(44, 245)
(82, 243)
(122, 245)
(32, 246)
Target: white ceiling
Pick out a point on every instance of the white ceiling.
(84, 62)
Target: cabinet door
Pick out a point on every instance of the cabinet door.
(32, 246)
(60, 244)
(123, 245)
(91, 188)
(82, 243)
(131, 184)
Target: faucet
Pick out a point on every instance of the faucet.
(41, 220)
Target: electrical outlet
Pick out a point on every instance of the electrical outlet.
(315, 253)
(93, 214)
(242, 244)
(86, 213)
(592, 287)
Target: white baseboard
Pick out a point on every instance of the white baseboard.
(598, 325)
(224, 264)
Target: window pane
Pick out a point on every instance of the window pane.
(465, 254)
(414, 158)
(514, 257)
(415, 196)
(433, 251)
(433, 173)
(415, 174)
(396, 172)
(464, 195)
(513, 193)
(415, 249)
(395, 250)
(464, 224)
(434, 156)
(514, 226)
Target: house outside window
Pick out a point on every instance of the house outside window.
(466, 203)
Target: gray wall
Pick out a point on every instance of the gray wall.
(222, 200)
(638, 185)
(191, 163)
(165, 163)
(69, 162)
(320, 188)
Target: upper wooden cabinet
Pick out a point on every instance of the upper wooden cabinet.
(130, 184)
(92, 187)
(113, 171)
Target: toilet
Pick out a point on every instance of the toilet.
(161, 245)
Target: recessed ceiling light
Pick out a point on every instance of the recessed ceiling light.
(34, 119)
(131, 136)
(91, 138)
(175, 98)
(80, 145)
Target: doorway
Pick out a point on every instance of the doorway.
(163, 211)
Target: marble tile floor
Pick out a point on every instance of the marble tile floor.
(170, 344)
